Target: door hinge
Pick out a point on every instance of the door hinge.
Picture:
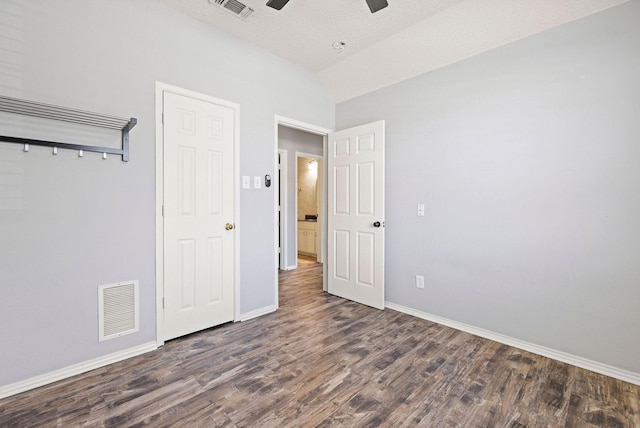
(163, 303)
(163, 211)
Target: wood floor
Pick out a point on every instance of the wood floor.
(324, 361)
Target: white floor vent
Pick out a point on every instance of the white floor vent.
(118, 309)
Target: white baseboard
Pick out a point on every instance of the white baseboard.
(564, 357)
(258, 313)
(85, 366)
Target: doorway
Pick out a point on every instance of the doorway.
(356, 224)
(295, 138)
(301, 197)
(308, 203)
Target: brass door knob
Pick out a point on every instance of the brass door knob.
(228, 226)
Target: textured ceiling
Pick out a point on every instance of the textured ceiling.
(304, 30)
(407, 38)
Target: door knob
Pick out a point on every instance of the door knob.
(228, 226)
(376, 224)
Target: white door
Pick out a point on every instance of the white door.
(355, 217)
(198, 215)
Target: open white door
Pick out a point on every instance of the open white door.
(355, 220)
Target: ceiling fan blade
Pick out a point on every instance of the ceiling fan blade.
(277, 4)
(376, 5)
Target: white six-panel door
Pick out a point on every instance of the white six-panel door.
(355, 217)
(198, 215)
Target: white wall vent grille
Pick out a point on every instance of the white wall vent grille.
(117, 309)
(235, 7)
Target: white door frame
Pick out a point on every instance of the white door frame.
(313, 129)
(159, 90)
(282, 206)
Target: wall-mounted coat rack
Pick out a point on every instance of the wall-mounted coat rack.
(48, 111)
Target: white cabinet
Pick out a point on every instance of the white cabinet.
(307, 237)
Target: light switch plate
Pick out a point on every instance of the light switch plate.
(257, 182)
(246, 182)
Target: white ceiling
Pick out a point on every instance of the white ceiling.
(406, 39)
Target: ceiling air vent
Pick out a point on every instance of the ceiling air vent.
(235, 7)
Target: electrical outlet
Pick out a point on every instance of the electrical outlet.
(421, 210)
(420, 281)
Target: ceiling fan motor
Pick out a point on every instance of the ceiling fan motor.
(374, 5)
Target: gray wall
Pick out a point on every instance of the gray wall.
(84, 222)
(527, 158)
(294, 140)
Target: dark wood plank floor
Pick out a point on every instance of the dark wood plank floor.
(324, 361)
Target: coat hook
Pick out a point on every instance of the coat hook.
(80, 153)
(26, 147)
(55, 150)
